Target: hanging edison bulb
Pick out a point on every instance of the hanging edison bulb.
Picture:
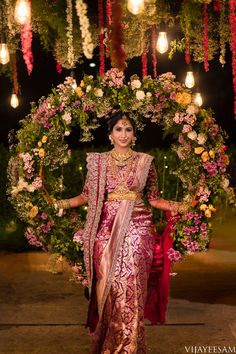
(14, 100)
(4, 53)
(198, 99)
(162, 42)
(22, 12)
(135, 6)
(189, 80)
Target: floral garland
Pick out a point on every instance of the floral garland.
(15, 78)
(69, 33)
(88, 45)
(101, 38)
(205, 38)
(26, 42)
(34, 168)
(154, 54)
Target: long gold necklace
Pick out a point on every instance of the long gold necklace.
(126, 160)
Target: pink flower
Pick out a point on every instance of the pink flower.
(78, 237)
(186, 128)
(32, 239)
(46, 227)
(193, 246)
(174, 256)
(44, 216)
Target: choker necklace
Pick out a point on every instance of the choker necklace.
(121, 159)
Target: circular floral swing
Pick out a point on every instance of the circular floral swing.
(41, 151)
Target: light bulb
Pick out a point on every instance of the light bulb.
(4, 53)
(162, 43)
(198, 99)
(14, 100)
(135, 6)
(189, 81)
(22, 12)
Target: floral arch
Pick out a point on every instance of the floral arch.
(41, 151)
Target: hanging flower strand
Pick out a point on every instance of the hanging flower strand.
(87, 43)
(15, 79)
(101, 38)
(232, 19)
(69, 33)
(118, 54)
(26, 43)
(205, 38)
(154, 55)
(223, 33)
(144, 59)
(109, 12)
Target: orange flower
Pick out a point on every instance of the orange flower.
(33, 212)
(198, 150)
(44, 139)
(212, 154)
(205, 156)
(208, 213)
(183, 98)
(41, 152)
(79, 91)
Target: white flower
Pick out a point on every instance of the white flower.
(225, 183)
(149, 94)
(88, 88)
(87, 43)
(31, 188)
(135, 84)
(192, 109)
(98, 92)
(67, 133)
(140, 95)
(201, 138)
(67, 117)
(192, 135)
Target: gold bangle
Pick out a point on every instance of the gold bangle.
(63, 204)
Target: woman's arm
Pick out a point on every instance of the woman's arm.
(72, 202)
(169, 205)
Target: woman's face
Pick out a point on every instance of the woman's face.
(122, 133)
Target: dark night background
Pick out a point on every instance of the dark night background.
(215, 86)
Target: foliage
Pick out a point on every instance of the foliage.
(184, 19)
(11, 230)
(38, 167)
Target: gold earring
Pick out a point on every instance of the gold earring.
(111, 140)
(133, 141)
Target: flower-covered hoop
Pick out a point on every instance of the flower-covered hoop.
(41, 150)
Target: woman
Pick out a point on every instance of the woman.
(119, 238)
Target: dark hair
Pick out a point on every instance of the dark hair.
(116, 117)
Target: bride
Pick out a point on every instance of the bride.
(120, 240)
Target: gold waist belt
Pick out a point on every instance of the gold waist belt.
(124, 196)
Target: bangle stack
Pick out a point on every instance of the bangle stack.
(63, 204)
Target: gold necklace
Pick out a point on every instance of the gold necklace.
(121, 187)
(121, 159)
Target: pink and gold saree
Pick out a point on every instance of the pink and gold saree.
(119, 245)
